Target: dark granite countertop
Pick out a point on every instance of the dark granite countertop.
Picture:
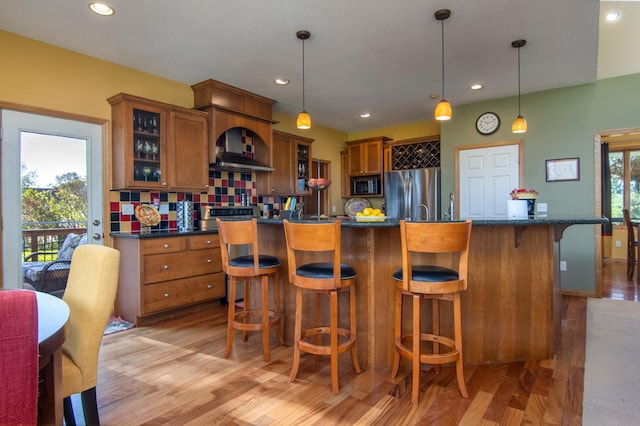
(532, 221)
(390, 223)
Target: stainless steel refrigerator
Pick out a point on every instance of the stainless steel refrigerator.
(412, 194)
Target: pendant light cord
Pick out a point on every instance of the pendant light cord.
(303, 75)
(442, 39)
(518, 81)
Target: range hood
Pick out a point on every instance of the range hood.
(231, 156)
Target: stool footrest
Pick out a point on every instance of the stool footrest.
(239, 324)
(436, 359)
(325, 349)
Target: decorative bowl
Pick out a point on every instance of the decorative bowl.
(320, 183)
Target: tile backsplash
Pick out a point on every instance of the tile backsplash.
(225, 189)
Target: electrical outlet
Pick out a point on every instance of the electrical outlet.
(618, 243)
(563, 265)
(127, 209)
(541, 207)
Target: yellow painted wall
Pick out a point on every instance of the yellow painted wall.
(42, 75)
(401, 132)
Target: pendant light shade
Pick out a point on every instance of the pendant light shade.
(304, 119)
(519, 124)
(443, 109)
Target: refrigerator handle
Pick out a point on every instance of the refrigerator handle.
(407, 198)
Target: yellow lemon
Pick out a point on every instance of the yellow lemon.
(367, 211)
(359, 214)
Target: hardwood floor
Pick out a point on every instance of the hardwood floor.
(175, 373)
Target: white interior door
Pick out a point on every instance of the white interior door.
(487, 176)
(20, 127)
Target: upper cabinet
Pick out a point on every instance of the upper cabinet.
(365, 156)
(230, 107)
(158, 146)
(291, 164)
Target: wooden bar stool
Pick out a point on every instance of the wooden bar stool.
(325, 275)
(246, 269)
(431, 277)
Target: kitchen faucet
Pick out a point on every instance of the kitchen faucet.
(426, 211)
(452, 207)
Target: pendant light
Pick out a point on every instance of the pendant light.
(304, 120)
(443, 109)
(519, 124)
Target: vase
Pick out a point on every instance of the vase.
(531, 206)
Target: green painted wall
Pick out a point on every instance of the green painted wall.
(562, 123)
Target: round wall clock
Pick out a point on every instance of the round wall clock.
(487, 123)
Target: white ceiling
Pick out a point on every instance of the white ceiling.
(378, 56)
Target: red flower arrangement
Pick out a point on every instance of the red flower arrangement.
(524, 194)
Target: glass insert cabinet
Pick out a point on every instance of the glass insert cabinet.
(147, 146)
(158, 146)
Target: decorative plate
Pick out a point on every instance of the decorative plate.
(147, 215)
(355, 205)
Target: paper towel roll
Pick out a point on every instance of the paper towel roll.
(517, 209)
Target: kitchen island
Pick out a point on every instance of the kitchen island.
(510, 311)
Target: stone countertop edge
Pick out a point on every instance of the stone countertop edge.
(390, 223)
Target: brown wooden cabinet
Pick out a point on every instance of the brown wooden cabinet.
(163, 274)
(230, 107)
(157, 145)
(291, 164)
(365, 156)
(345, 184)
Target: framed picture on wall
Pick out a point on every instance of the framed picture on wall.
(563, 169)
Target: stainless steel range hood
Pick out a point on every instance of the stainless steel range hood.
(231, 157)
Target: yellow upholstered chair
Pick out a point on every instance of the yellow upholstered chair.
(90, 294)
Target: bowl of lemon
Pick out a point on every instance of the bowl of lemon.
(370, 214)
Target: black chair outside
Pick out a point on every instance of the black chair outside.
(632, 244)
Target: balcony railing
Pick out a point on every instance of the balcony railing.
(47, 237)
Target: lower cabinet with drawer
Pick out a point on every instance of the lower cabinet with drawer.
(164, 274)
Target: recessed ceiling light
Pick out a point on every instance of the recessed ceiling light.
(282, 81)
(365, 115)
(434, 96)
(476, 86)
(613, 16)
(101, 8)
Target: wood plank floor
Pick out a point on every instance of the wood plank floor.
(175, 373)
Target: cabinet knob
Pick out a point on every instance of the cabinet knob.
(208, 241)
(165, 267)
(209, 286)
(166, 295)
(166, 246)
(164, 183)
(208, 260)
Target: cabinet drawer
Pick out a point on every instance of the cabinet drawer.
(204, 242)
(171, 266)
(173, 294)
(164, 245)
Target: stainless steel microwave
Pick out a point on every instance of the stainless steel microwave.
(365, 185)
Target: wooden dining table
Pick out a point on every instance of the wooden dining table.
(53, 314)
